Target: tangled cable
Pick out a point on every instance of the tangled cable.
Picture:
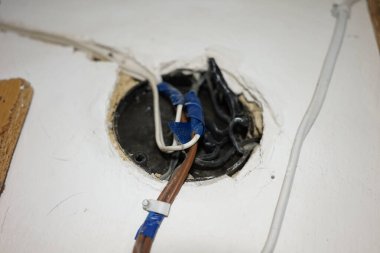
(234, 138)
(215, 139)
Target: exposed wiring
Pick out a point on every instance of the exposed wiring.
(158, 127)
(220, 94)
(229, 96)
(183, 130)
(144, 243)
(138, 71)
(341, 13)
(177, 119)
(234, 122)
(172, 164)
(128, 64)
(131, 66)
(227, 154)
(229, 125)
(221, 114)
(179, 147)
(229, 111)
(178, 113)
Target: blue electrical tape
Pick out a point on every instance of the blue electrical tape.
(183, 131)
(151, 225)
(195, 112)
(172, 93)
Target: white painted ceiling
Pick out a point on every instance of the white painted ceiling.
(68, 191)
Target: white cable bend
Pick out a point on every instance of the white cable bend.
(153, 80)
(341, 12)
(181, 146)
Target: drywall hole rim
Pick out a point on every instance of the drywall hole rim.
(128, 93)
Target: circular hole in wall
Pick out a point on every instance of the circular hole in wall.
(133, 128)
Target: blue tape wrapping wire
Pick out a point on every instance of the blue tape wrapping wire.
(183, 131)
(151, 225)
(172, 93)
(195, 112)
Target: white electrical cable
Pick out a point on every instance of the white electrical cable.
(341, 13)
(177, 119)
(161, 144)
(178, 113)
(127, 63)
(131, 66)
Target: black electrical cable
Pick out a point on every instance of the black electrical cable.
(237, 121)
(217, 162)
(219, 112)
(237, 165)
(208, 140)
(215, 130)
(217, 77)
(210, 156)
(172, 164)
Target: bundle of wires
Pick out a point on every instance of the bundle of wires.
(138, 71)
(231, 133)
(189, 131)
(148, 230)
(146, 233)
(233, 116)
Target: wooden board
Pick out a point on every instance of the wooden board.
(374, 10)
(15, 98)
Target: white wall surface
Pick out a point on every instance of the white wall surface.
(68, 190)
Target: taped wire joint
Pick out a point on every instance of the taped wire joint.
(151, 225)
(196, 119)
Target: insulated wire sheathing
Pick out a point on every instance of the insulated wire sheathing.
(132, 67)
(143, 243)
(153, 81)
(341, 12)
(177, 119)
(127, 63)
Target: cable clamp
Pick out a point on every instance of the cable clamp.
(156, 206)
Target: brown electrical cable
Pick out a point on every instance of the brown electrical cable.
(174, 185)
(144, 244)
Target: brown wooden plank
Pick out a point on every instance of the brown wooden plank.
(374, 10)
(15, 98)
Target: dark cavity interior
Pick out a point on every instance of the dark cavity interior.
(229, 137)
